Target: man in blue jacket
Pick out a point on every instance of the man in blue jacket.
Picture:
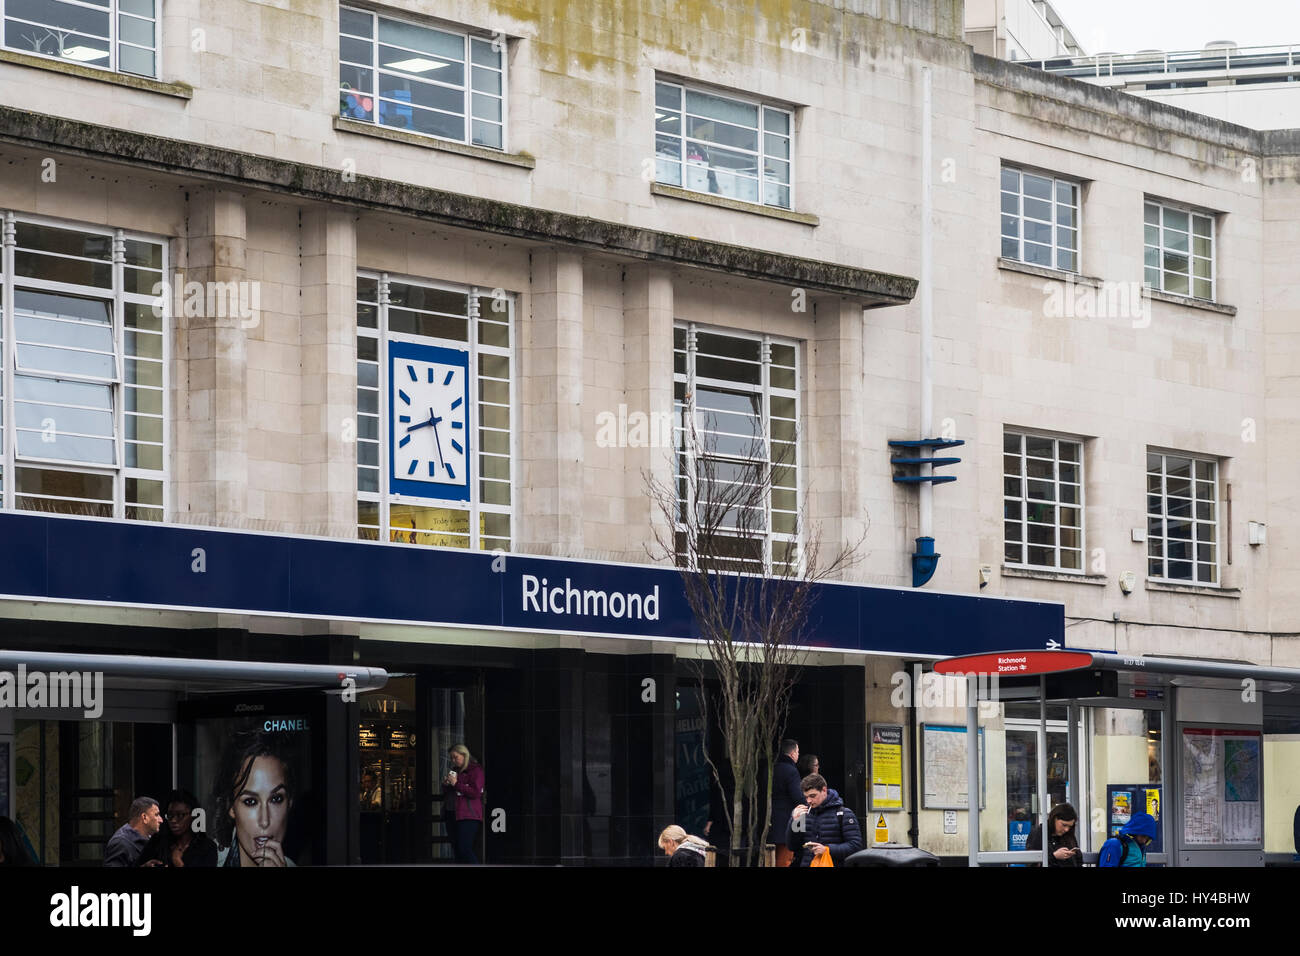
(786, 795)
(1130, 847)
(824, 823)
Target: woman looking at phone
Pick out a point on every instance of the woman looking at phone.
(1062, 845)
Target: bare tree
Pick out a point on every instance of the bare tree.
(751, 591)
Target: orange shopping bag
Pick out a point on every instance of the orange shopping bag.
(823, 859)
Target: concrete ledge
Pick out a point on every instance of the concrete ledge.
(722, 202)
(345, 125)
(1208, 590)
(197, 162)
(180, 90)
(1023, 79)
(1015, 265)
(1044, 575)
(1192, 303)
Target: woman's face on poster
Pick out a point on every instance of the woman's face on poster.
(261, 812)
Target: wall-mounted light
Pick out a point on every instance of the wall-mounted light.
(1256, 532)
(1127, 581)
(986, 574)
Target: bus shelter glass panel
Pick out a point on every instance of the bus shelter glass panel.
(1281, 772)
(1126, 764)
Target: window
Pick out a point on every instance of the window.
(743, 393)
(84, 356)
(1179, 250)
(741, 149)
(1182, 518)
(1040, 220)
(117, 35)
(421, 79)
(441, 476)
(1042, 501)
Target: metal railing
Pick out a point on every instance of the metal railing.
(1221, 59)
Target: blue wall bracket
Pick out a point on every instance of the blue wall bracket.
(924, 561)
(913, 455)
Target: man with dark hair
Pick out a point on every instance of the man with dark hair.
(786, 795)
(823, 824)
(143, 821)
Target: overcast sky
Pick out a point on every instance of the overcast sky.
(1126, 26)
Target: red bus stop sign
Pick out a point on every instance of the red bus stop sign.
(1015, 663)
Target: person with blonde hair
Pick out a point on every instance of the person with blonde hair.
(463, 790)
(681, 848)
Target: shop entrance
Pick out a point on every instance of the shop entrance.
(404, 734)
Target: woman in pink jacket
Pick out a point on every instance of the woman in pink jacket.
(464, 785)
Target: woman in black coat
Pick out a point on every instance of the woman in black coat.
(681, 848)
(1062, 846)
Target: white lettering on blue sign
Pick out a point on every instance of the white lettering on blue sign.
(567, 599)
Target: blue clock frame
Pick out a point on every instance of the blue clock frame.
(400, 484)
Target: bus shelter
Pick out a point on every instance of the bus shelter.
(1183, 740)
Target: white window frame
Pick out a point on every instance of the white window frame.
(475, 506)
(1196, 523)
(469, 38)
(1024, 502)
(1020, 217)
(761, 105)
(765, 390)
(1161, 249)
(114, 12)
(119, 472)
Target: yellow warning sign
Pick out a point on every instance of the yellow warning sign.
(882, 829)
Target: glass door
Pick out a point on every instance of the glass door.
(1023, 810)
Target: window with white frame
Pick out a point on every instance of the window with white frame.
(421, 79)
(1040, 219)
(116, 35)
(1179, 245)
(83, 368)
(1042, 501)
(736, 413)
(724, 145)
(457, 492)
(1182, 518)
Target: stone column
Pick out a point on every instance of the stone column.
(329, 371)
(648, 388)
(211, 443)
(551, 514)
(834, 417)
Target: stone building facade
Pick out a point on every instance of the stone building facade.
(579, 244)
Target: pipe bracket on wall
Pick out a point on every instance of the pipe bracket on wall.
(910, 468)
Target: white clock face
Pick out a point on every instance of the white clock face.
(430, 422)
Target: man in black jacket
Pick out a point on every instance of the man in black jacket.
(786, 795)
(823, 823)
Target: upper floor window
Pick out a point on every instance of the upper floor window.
(737, 421)
(117, 35)
(1040, 219)
(1042, 501)
(434, 411)
(1182, 518)
(738, 148)
(82, 393)
(421, 79)
(1179, 250)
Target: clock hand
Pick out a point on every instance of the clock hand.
(435, 421)
(431, 421)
